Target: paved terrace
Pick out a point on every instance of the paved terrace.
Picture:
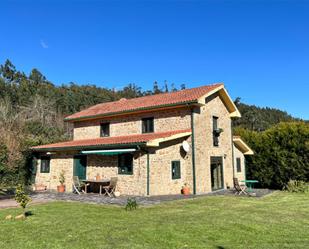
(44, 197)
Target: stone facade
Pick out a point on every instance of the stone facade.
(107, 167)
(58, 163)
(160, 158)
(161, 182)
(239, 154)
(167, 120)
(204, 148)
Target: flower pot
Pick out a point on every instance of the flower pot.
(185, 191)
(61, 188)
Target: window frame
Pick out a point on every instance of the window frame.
(42, 166)
(108, 129)
(177, 165)
(238, 164)
(120, 167)
(215, 138)
(146, 126)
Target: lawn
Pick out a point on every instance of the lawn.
(280, 220)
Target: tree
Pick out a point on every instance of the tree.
(281, 154)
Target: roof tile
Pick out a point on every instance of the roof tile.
(146, 102)
(105, 141)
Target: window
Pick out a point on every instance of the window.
(215, 134)
(147, 125)
(125, 164)
(238, 164)
(45, 164)
(176, 170)
(105, 130)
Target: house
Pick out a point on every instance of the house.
(153, 144)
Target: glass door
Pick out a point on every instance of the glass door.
(216, 168)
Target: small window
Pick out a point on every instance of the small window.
(215, 135)
(125, 164)
(238, 164)
(176, 170)
(147, 125)
(105, 130)
(45, 164)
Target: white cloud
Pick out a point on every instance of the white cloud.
(43, 44)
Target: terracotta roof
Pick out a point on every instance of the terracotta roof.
(109, 141)
(142, 103)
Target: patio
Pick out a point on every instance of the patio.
(141, 200)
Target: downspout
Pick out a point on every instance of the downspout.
(148, 177)
(233, 164)
(147, 169)
(193, 151)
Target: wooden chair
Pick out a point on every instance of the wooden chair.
(239, 189)
(78, 186)
(110, 189)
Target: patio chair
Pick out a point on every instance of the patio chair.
(78, 186)
(239, 189)
(110, 189)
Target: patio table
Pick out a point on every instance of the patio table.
(249, 183)
(99, 182)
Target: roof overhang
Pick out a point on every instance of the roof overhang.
(120, 143)
(242, 146)
(156, 142)
(229, 103)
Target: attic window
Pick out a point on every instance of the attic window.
(105, 130)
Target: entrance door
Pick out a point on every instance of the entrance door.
(216, 168)
(80, 164)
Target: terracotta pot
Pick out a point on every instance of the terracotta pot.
(185, 191)
(61, 188)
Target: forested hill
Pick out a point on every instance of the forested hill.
(32, 110)
(259, 119)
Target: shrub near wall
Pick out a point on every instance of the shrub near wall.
(281, 154)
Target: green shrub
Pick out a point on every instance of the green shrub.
(281, 154)
(131, 204)
(22, 198)
(295, 186)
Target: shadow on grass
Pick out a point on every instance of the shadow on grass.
(29, 213)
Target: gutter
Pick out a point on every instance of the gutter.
(87, 147)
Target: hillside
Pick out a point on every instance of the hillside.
(32, 110)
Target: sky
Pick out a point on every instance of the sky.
(259, 49)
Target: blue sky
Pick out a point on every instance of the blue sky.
(259, 49)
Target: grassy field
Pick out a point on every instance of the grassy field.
(279, 220)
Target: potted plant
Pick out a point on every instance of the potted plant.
(218, 131)
(61, 187)
(185, 189)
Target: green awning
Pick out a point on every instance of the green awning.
(107, 152)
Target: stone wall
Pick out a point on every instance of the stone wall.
(239, 175)
(204, 143)
(107, 167)
(57, 164)
(161, 182)
(167, 120)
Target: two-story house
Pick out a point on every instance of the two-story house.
(153, 144)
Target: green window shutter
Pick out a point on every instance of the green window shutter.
(238, 164)
(45, 164)
(176, 173)
(125, 164)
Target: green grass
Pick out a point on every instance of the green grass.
(280, 220)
